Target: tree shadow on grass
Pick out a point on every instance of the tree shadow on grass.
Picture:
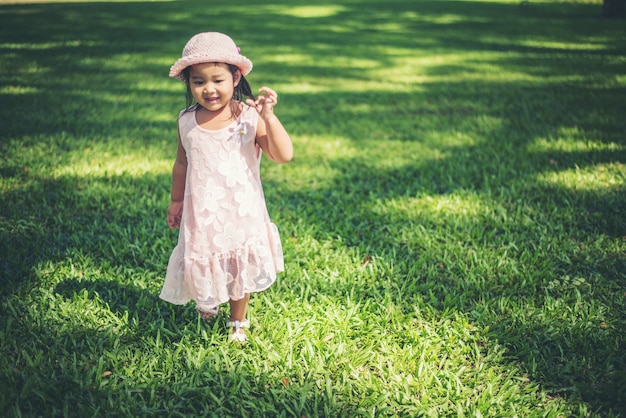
(521, 206)
(348, 206)
(566, 349)
(536, 274)
(45, 221)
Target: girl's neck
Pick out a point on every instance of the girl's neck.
(218, 119)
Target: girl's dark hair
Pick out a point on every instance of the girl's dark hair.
(241, 89)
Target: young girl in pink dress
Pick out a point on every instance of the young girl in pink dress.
(227, 245)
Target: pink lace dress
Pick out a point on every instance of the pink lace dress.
(227, 245)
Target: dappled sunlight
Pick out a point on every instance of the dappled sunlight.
(49, 45)
(18, 90)
(457, 68)
(287, 58)
(105, 164)
(33, 68)
(80, 1)
(164, 85)
(312, 167)
(346, 85)
(600, 178)
(443, 18)
(126, 62)
(572, 139)
(320, 149)
(303, 86)
(457, 206)
(381, 68)
(446, 19)
(566, 46)
(337, 61)
(308, 11)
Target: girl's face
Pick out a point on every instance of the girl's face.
(212, 85)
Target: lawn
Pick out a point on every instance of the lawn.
(453, 221)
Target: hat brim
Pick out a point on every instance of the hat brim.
(176, 70)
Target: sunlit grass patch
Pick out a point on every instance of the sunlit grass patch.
(320, 149)
(461, 206)
(568, 145)
(602, 178)
(17, 90)
(565, 46)
(310, 11)
(572, 139)
(7, 2)
(115, 165)
(49, 45)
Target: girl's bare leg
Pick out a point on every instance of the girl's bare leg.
(239, 308)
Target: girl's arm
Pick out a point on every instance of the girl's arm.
(271, 134)
(179, 172)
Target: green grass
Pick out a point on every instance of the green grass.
(454, 219)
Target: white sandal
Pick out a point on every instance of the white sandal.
(238, 334)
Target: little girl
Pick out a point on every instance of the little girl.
(227, 245)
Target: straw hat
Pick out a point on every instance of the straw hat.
(210, 47)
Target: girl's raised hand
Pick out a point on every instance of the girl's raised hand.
(265, 102)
